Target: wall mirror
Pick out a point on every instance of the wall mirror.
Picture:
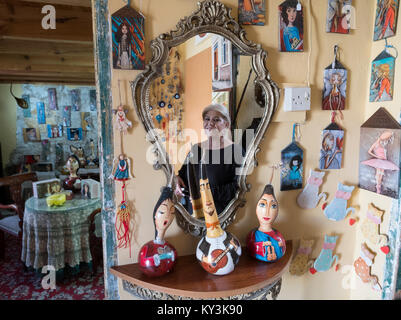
(206, 60)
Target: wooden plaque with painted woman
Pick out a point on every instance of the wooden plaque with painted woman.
(291, 25)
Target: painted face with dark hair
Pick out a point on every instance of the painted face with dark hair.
(164, 216)
(267, 211)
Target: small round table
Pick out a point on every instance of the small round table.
(57, 236)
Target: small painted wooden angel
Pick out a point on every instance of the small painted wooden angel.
(121, 122)
(121, 172)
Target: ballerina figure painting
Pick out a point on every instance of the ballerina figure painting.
(380, 159)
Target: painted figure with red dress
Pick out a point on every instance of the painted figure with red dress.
(266, 243)
(157, 257)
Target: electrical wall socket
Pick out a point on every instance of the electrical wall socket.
(297, 98)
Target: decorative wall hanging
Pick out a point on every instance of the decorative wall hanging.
(291, 175)
(382, 76)
(386, 19)
(27, 111)
(121, 172)
(331, 150)
(301, 262)
(379, 154)
(52, 99)
(92, 100)
(166, 100)
(335, 85)
(75, 99)
(67, 116)
(40, 109)
(157, 257)
(337, 209)
(54, 131)
(363, 266)
(20, 102)
(121, 122)
(31, 134)
(74, 134)
(370, 228)
(266, 243)
(326, 259)
(252, 12)
(218, 252)
(337, 20)
(128, 39)
(310, 196)
(291, 26)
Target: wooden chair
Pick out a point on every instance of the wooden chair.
(13, 224)
(95, 243)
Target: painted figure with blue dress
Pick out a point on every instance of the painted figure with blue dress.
(265, 243)
(121, 172)
(291, 26)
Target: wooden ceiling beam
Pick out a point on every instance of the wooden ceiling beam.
(78, 3)
(50, 48)
(19, 19)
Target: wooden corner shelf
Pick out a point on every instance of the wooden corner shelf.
(188, 279)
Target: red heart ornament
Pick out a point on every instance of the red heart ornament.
(312, 270)
(385, 249)
(351, 221)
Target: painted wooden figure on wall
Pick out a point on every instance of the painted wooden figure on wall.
(386, 19)
(291, 25)
(291, 174)
(266, 243)
(382, 77)
(121, 168)
(128, 42)
(335, 85)
(338, 16)
(331, 147)
(252, 12)
(157, 257)
(379, 154)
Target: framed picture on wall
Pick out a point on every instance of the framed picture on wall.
(52, 98)
(252, 12)
(74, 134)
(338, 16)
(31, 134)
(54, 131)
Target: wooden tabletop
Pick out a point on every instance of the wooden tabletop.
(189, 279)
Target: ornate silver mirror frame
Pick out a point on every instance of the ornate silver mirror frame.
(211, 17)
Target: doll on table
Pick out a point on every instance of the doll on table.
(72, 166)
(265, 243)
(157, 257)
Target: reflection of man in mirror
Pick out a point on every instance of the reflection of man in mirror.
(221, 156)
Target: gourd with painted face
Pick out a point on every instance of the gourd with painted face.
(265, 243)
(157, 257)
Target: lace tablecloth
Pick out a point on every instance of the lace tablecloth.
(56, 236)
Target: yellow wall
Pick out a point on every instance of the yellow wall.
(356, 54)
(8, 119)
